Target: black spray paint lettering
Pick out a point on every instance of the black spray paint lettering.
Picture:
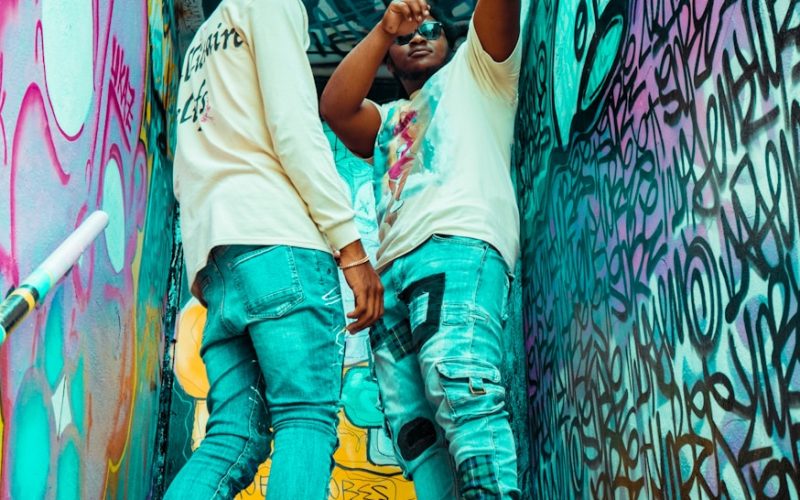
(223, 38)
(661, 257)
(195, 105)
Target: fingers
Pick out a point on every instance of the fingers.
(381, 309)
(401, 12)
(412, 10)
(360, 309)
(369, 304)
(419, 9)
(379, 302)
(401, 7)
(359, 313)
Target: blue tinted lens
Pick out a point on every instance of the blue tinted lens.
(430, 30)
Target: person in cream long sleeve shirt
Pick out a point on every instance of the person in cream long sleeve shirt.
(262, 210)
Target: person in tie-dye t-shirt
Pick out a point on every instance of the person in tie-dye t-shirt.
(449, 235)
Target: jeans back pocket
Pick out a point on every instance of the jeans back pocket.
(267, 281)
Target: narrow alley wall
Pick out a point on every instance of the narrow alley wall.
(82, 127)
(658, 166)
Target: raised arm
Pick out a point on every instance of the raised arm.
(497, 25)
(343, 104)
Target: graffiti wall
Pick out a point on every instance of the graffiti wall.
(82, 128)
(658, 168)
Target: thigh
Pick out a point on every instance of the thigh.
(228, 355)
(292, 308)
(456, 291)
(457, 294)
(409, 416)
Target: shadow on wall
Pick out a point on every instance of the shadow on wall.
(658, 167)
(82, 128)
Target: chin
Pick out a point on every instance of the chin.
(423, 65)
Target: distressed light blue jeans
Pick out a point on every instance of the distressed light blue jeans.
(273, 347)
(436, 356)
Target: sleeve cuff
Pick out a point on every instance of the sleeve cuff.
(343, 234)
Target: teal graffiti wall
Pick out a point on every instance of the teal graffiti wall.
(83, 126)
(659, 180)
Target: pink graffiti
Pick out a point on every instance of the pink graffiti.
(121, 84)
(54, 180)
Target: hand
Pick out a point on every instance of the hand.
(366, 286)
(402, 17)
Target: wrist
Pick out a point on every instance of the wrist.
(351, 253)
(356, 263)
(381, 31)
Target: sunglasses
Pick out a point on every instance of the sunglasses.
(429, 30)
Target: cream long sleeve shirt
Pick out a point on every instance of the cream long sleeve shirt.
(252, 164)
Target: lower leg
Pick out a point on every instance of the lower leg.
(425, 459)
(223, 465)
(304, 442)
(418, 441)
(471, 411)
(483, 475)
(237, 439)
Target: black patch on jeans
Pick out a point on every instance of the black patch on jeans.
(415, 437)
(400, 339)
(397, 339)
(433, 286)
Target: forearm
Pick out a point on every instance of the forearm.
(351, 81)
(307, 160)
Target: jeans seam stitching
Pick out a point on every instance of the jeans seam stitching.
(244, 449)
(222, 319)
(229, 328)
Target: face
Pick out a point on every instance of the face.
(420, 58)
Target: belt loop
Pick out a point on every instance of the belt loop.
(476, 386)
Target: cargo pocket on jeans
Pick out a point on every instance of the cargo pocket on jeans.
(471, 388)
(268, 282)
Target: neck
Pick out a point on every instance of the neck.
(412, 85)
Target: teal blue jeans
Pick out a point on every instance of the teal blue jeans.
(273, 347)
(436, 356)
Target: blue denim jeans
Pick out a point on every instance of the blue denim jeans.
(273, 347)
(436, 356)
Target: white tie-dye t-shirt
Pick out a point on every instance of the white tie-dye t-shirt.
(442, 158)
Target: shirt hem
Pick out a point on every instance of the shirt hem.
(382, 266)
(251, 241)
